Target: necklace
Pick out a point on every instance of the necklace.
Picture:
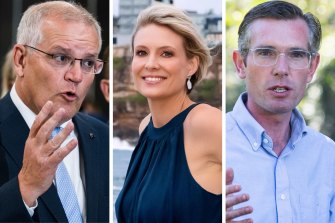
(182, 104)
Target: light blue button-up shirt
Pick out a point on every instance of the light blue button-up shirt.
(296, 187)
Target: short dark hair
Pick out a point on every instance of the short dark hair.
(279, 10)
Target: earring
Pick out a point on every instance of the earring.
(189, 83)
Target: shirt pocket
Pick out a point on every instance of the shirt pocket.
(312, 210)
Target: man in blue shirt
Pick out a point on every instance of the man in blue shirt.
(284, 169)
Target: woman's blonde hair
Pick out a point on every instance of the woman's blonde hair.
(176, 20)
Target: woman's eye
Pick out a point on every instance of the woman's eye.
(167, 54)
(141, 53)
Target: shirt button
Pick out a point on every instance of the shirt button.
(255, 144)
(265, 140)
(282, 196)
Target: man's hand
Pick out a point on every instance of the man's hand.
(42, 155)
(233, 199)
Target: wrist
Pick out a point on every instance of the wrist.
(28, 194)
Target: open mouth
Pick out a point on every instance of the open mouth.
(69, 96)
(153, 79)
(280, 89)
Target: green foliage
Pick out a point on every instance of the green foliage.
(327, 81)
(208, 91)
(205, 91)
(118, 63)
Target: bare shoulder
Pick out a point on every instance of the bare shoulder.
(144, 123)
(204, 117)
(203, 128)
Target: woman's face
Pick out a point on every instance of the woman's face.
(160, 66)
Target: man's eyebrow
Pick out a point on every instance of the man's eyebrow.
(265, 47)
(68, 51)
(62, 49)
(298, 48)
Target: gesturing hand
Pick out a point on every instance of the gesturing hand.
(233, 199)
(41, 155)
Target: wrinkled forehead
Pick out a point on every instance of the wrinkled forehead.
(75, 33)
(69, 26)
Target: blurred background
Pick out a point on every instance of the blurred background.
(129, 107)
(317, 106)
(11, 12)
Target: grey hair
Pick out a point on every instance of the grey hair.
(176, 20)
(29, 29)
(279, 10)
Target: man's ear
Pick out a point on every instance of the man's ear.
(239, 64)
(19, 59)
(314, 65)
(104, 86)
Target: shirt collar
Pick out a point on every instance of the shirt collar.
(298, 125)
(255, 133)
(28, 115)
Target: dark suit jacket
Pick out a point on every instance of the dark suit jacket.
(93, 140)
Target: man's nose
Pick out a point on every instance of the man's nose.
(282, 65)
(74, 72)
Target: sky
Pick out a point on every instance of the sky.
(200, 6)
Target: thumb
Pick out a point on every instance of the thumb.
(229, 176)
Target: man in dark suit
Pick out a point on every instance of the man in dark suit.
(55, 60)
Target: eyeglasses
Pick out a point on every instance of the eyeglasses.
(296, 58)
(62, 61)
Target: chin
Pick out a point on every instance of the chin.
(153, 96)
(282, 109)
(150, 94)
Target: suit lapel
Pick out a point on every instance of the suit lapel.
(87, 145)
(53, 204)
(13, 130)
(14, 133)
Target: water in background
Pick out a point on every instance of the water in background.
(121, 156)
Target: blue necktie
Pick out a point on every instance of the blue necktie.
(66, 190)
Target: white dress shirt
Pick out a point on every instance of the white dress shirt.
(71, 161)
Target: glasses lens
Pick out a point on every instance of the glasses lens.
(265, 56)
(298, 59)
(89, 66)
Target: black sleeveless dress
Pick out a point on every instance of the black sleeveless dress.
(159, 186)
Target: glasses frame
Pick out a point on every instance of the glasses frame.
(279, 53)
(72, 60)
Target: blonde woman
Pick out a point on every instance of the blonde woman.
(175, 171)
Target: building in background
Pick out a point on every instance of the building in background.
(209, 23)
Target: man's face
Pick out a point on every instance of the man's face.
(66, 86)
(278, 88)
